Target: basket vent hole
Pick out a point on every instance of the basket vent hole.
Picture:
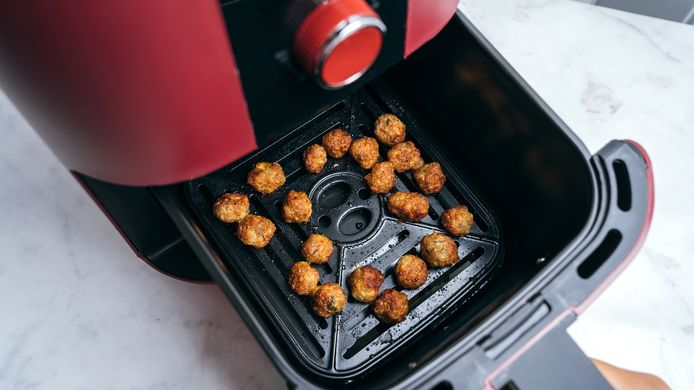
(445, 385)
(364, 194)
(603, 252)
(623, 185)
(324, 221)
(323, 323)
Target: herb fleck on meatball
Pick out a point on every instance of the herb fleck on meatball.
(266, 177)
(365, 282)
(408, 206)
(336, 142)
(329, 299)
(315, 158)
(231, 207)
(391, 306)
(389, 129)
(255, 231)
(438, 250)
(303, 279)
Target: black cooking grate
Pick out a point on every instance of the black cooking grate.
(364, 233)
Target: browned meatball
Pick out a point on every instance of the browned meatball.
(438, 250)
(303, 279)
(317, 249)
(364, 283)
(315, 158)
(296, 207)
(255, 231)
(231, 207)
(430, 178)
(458, 220)
(329, 299)
(266, 177)
(389, 129)
(336, 143)
(405, 156)
(365, 152)
(382, 178)
(408, 206)
(411, 272)
(391, 306)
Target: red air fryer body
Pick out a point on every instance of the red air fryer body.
(149, 92)
(160, 107)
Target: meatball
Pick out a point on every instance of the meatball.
(317, 249)
(391, 306)
(405, 156)
(315, 158)
(411, 272)
(303, 279)
(382, 178)
(430, 178)
(329, 299)
(389, 129)
(365, 282)
(438, 250)
(266, 177)
(231, 207)
(458, 220)
(296, 207)
(336, 143)
(365, 152)
(255, 231)
(408, 206)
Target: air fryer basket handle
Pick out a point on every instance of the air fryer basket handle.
(553, 362)
(534, 350)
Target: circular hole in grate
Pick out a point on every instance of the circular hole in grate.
(364, 194)
(324, 221)
(355, 221)
(334, 195)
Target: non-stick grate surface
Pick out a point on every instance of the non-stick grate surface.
(364, 233)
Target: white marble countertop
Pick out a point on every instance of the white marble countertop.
(79, 310)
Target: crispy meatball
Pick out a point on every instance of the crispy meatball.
(405, 156)
(389, 129)
(329, 299)
(231, 207)
(336, 143)
(317, 249)
(408, 206)
(438, 250)
(391, 306)
(255, 231)
(266, 177)
(296, 207)
(365, 152)
(382, 178)
(315, 158)
(458, 220)
(430, 178)
(303, 279)
(364, 283)
(411, 272)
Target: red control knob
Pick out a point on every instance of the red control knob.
(338, 41)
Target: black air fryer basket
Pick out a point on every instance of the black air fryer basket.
(553, 226)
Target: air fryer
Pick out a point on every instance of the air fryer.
(553, 223)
